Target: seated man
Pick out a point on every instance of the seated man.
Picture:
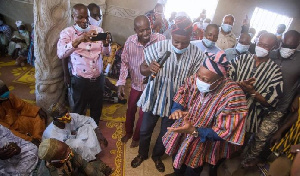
(5, 35)
(17, 156)
(23, 119)
(59, 159)
(210, 37)
(19, 41)
(199, 29)
(80, 132)
(284, 145)
(241, 47)
(204, 107)
(95, 14)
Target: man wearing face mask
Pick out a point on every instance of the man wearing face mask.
(199, 29)
(87, 77)
(156, 99)
(158, 22)
(226, 38)
(80, 132)
(23, 119)
(288, 59)
(241, 47)
(59, 159)
(19, 41)
(261, 80)
(202, 107)
(132, 57)
(210, 37)
(95, 14)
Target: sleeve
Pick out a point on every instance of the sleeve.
(64, 45)
(232, 72)
(27, 38)
(275, 88)
(176, 106)
(124, 66)
(208, 134)
(199, 58)
(80, 120)
(24, 108)
(229, 124)
(182, 97)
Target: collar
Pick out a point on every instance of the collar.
(153, 38)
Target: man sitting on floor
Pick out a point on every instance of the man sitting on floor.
(211, 110)
(59, 159)
(80, 132)
(17, 156)
(23, 119)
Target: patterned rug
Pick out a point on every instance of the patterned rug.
(21, 82)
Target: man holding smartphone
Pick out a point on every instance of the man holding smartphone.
(86, 78)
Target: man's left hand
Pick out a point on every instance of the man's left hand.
(187, 128)
(248, 85)
(42, 114)
(107, 41)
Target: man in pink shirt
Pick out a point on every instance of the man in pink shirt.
(86, 79)
(132, 57)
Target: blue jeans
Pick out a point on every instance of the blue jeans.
(147, 127)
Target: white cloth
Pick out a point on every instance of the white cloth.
(22, 164)
(84, 141)
(19, 23)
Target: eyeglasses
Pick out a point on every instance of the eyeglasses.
(70, 155)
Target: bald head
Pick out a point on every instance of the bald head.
(142, 29)
(267, 41)
(291, 39)
(245, 39)
(228, 19)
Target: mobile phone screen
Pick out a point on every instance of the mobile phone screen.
(100, 36)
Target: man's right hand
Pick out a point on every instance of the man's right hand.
(178, 114)
(9, 151)
(121, 92)
(154, 67)
(85, 37)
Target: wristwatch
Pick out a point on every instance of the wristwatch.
(195, 132)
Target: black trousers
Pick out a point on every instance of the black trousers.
(88, 91)
(147, 127)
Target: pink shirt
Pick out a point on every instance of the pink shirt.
(132, 57)
(86, 59)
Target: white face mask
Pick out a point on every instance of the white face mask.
(78, 28)
(95, 22)
(286, 52)
(261, 52)
(202, 86)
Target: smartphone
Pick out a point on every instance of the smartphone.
(100, 36)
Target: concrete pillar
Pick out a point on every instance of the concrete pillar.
(50, 18)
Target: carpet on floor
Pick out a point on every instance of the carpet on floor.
(21, 82)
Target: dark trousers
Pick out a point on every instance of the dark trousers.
(188, 171)
(87, 91)
(148, 124)
(130, 115)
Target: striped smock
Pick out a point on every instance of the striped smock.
(224, 110)
(269, 83)
(158, 94)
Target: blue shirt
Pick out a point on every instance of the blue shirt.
(204, 49)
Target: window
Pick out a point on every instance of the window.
(266, 20)
(192, 7)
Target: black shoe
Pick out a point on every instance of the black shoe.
(137, 161)
(171, 174)
(159, 165)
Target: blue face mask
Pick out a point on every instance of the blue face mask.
(226, 27)
(242, 48)
(202, 86)
(208, 43)
(4, 96)
(22, 31)
(78, 28)
(178, 51)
